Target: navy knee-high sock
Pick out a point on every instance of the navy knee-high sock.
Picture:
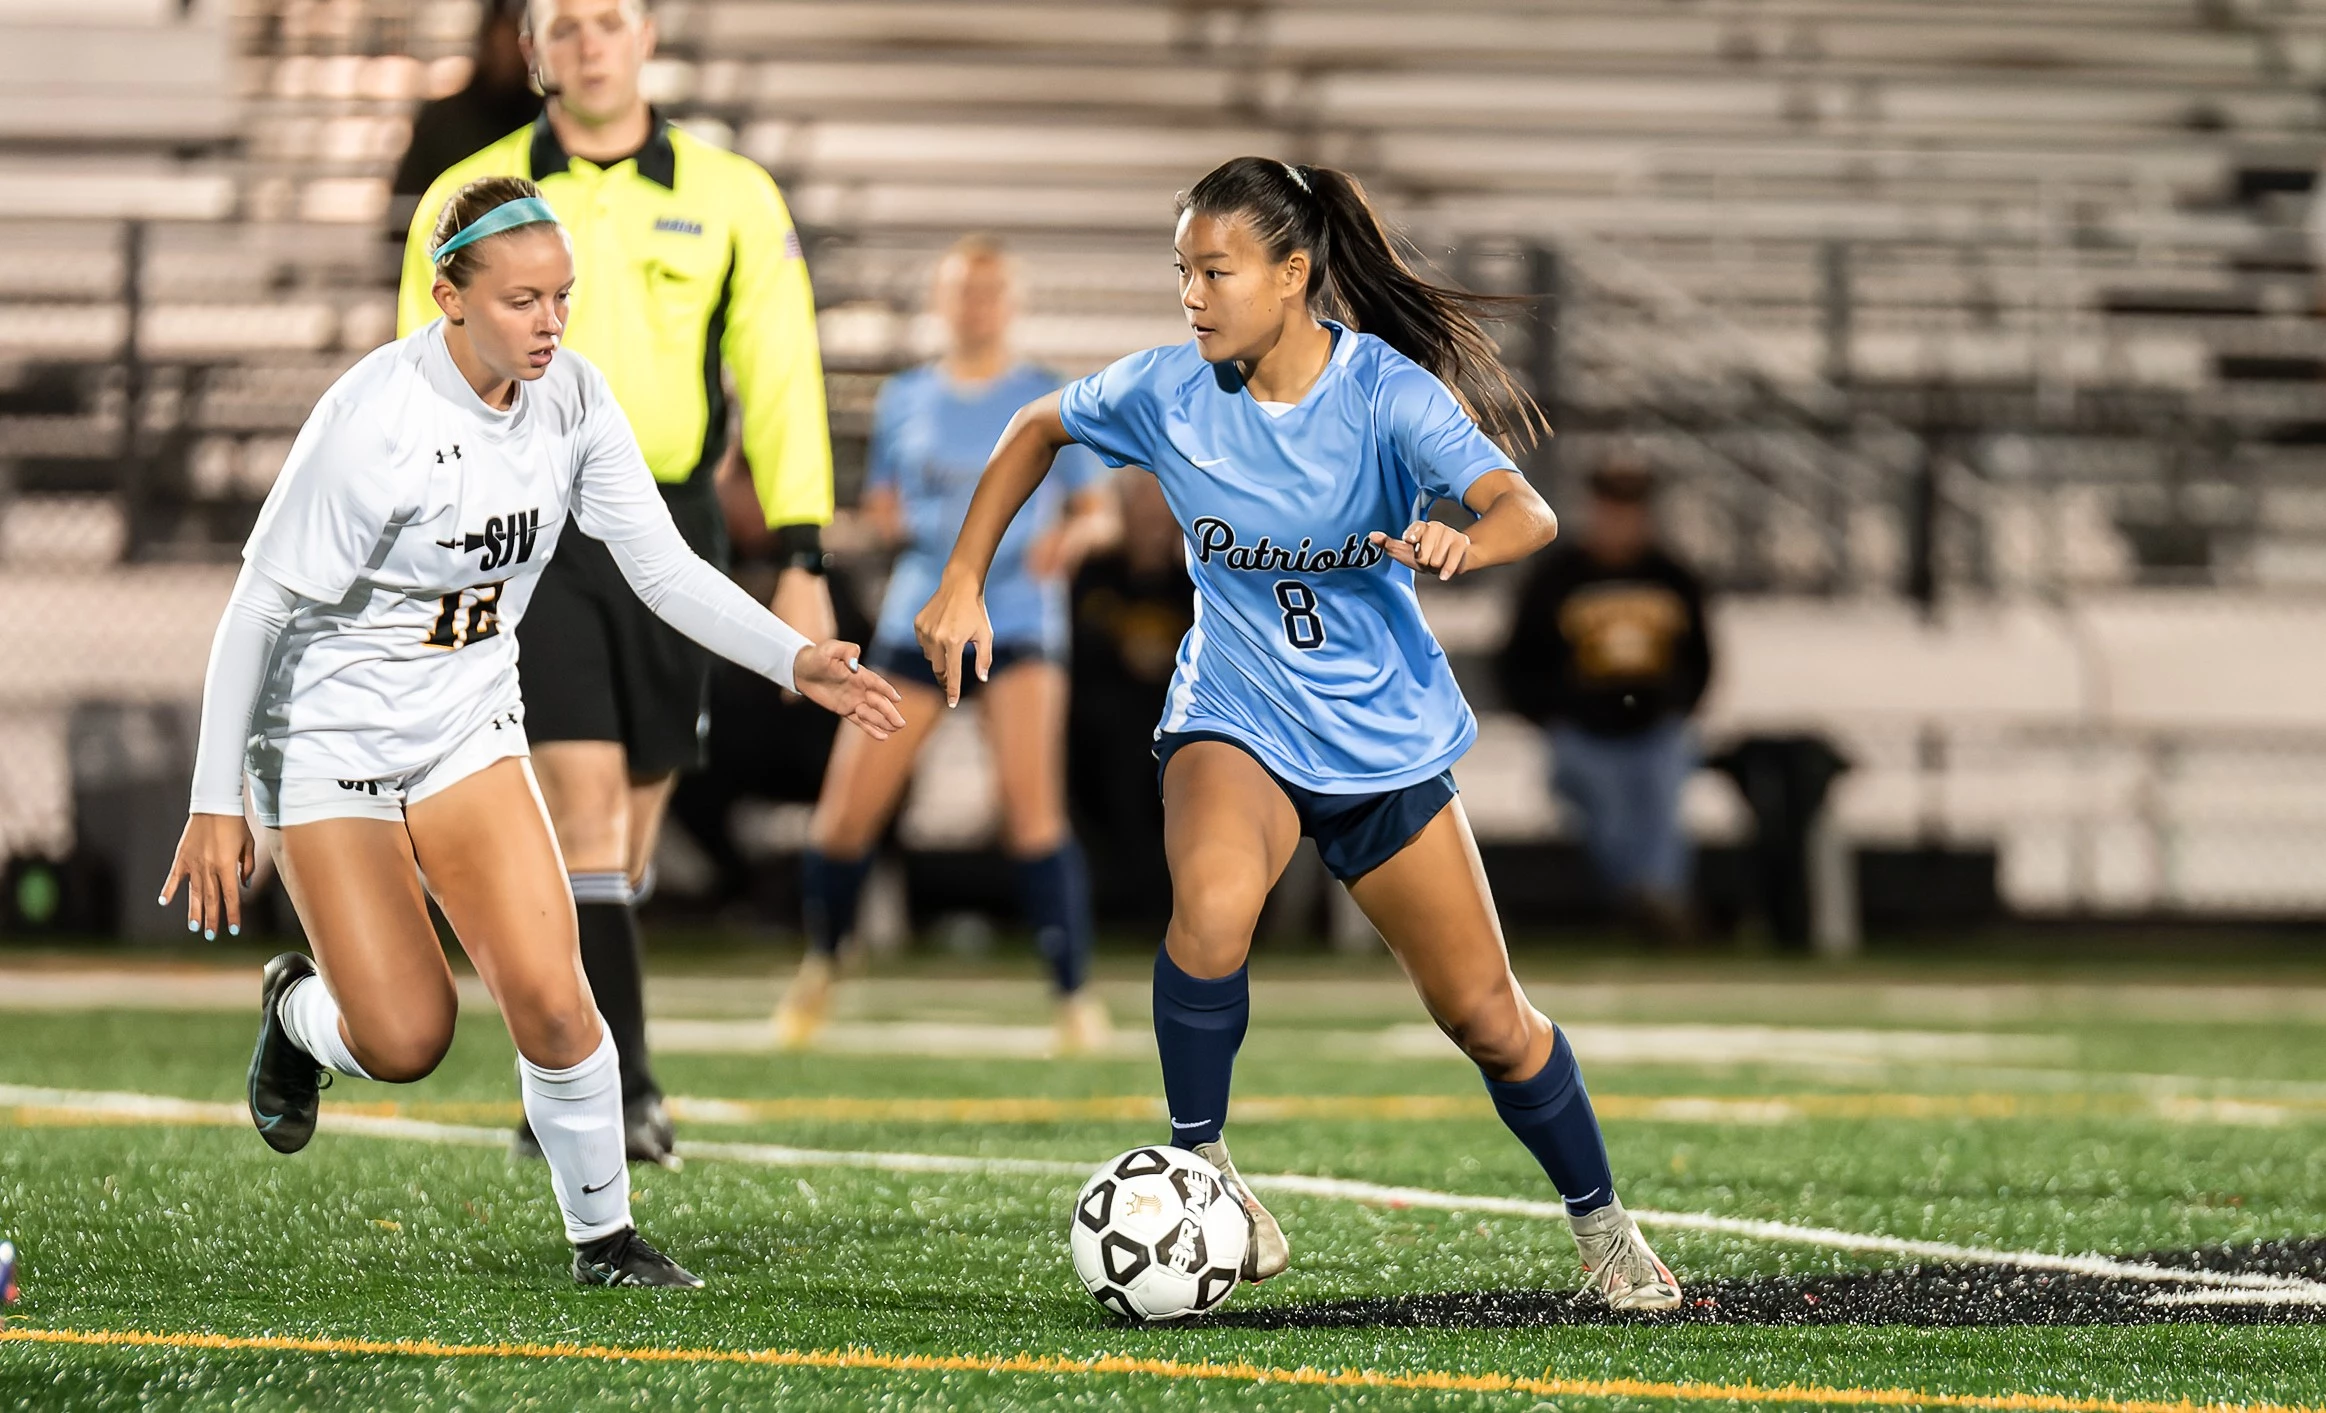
(829, 890)
(1199, 1026)
(1551, 1114)
(1054, 890)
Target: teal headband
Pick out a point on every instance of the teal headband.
(524, 211)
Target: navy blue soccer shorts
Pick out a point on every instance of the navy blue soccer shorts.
(1354, 834)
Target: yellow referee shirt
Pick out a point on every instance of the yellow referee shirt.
(684, 259)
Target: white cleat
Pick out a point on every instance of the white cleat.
(806, 1004)
(1622, 1269)
(1269, 1252)
(1084, 1027)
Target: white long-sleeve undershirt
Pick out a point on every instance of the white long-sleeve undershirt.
(256, 615)
(675, 583)
(682, 589)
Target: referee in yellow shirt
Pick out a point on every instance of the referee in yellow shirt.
(687, 268)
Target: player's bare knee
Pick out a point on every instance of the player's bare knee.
(402, 1058)
(1495, 1031)
(556, 1035)
(1209, 940)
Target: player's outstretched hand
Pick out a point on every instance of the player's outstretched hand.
(951, 622)
(829, 675)
(1429, 546)
(215, 857)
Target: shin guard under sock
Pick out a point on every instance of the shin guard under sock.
(829, 891)
(576, 1114)
(1551, 1114)
(1199, 1026)
(1054, 891)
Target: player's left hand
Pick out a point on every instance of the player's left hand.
(830, 675)
(1428, 546)
(804, 600)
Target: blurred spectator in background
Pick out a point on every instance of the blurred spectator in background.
(498, 100)
(932, 429)
(1131, 608)
(1608, 653)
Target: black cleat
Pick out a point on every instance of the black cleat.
(286, 1084)
(523, 1146)
(646, 1133)
(625, 1259)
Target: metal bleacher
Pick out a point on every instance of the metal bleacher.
(2008, 305)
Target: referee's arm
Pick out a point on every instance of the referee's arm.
(770, 344)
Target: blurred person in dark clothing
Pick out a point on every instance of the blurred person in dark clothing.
(1131, 608)
(498, 100)
(1608, 652)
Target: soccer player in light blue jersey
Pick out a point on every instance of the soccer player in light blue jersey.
(1302, 438)
(932, 429)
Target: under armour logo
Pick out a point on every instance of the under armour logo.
(455, 454)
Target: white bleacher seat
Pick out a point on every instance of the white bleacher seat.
(1038, 152)
(62, 531)
(359, 201)
(199, 330)
(62, 331)
(775, 27)
(883, 86)
(878, 205)
(113, 191)
(81, 78)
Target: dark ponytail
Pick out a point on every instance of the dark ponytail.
(1356, 274)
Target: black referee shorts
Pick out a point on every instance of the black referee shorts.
(595, 665)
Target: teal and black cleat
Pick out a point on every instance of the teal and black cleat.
(625, 1259)
(286, 1084)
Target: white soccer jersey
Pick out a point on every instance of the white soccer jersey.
(417, 520)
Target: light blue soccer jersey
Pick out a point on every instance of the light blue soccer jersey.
(930, 441)
(1308, 646)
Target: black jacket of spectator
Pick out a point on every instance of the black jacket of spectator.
(450, 130)
(1614, 649)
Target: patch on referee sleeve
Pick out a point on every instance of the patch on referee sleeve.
(791, 244)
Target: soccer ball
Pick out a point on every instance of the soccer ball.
(1156, 1235)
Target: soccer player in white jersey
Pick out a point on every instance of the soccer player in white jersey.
(1302, 437)
(364, 680)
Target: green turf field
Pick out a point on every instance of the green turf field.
(2002, 1111)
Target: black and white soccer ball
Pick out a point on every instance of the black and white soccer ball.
(1157, 1236)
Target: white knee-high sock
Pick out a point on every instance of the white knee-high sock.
(310, 1016)
(577, 1116)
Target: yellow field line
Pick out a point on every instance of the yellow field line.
(1050, 1365)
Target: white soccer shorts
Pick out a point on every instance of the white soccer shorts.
(302, 800)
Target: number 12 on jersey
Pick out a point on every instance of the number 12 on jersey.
(1302, 628)
(468, 616)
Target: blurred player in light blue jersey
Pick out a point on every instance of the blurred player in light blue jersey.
(932, 430)
(1302, 456)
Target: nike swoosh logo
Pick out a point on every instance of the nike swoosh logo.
(601, 1187)
(267, 1122)
(1207, 465)
(1199, 1123)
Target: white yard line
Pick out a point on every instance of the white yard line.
(100, 1106)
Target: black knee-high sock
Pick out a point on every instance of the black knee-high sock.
(609, 951)
(1199, 1026)
(1551, 1114)
(1054, 890)
(829, 891)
